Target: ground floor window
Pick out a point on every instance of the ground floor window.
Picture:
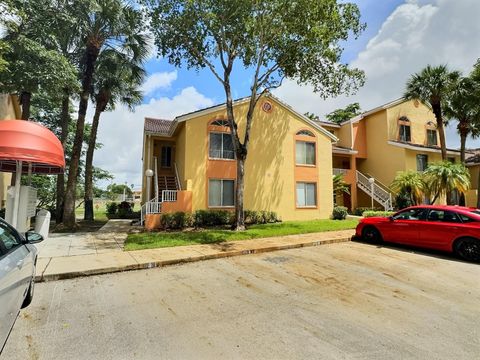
(306, 194)
(221, 192)
(422, 162)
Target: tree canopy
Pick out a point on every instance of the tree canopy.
(273, 40)
(340, 115)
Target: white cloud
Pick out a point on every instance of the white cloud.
(121, 132)
(417, 33)
(158, 80)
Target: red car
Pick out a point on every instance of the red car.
(447, 228)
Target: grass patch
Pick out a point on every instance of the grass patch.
(214, 236)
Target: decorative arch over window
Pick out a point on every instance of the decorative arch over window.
(305, 133)
(220, 122)
(431, 125)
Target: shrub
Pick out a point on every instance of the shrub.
(212, 217)
(339, 213)
(260, 217)
(372, 213)
(176, 220)
(124, 210)
(111, 209)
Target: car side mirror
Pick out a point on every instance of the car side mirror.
(33, 237)
(391, 218)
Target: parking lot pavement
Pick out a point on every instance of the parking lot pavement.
(338, 301)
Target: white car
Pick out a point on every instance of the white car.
(18, 257)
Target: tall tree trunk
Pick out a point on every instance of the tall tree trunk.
(25, 99)
(64, 121)
(239, 213)
(463, 140)
(88, 198)
(437, 110)
(69, 204)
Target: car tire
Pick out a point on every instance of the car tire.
(29, 297)
(468, 249)
(372, 235)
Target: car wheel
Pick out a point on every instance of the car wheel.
(29, 297)
(468, 249)
(371, 234)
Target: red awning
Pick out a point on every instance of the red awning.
(31, 143)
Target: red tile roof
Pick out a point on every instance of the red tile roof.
(158, 126)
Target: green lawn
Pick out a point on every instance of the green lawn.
(168, 239)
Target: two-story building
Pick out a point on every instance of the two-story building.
(374, 146)
(189, 162)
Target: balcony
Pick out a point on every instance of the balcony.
(348, 175)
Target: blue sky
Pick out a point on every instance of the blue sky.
(373, 12)
(401, 38)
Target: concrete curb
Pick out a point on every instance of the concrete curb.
(136, 263)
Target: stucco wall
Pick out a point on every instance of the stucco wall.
(270, 165)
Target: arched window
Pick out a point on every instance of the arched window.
(220, 122)
(404, 129)
(305, 133)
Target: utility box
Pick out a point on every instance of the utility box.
(42, 223)
(26, 207)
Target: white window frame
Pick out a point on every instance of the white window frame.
(305, 190)
(222, 149)
(221, 194)
(305, 160)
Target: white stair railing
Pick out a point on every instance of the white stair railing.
(169, 195)
(380, 195)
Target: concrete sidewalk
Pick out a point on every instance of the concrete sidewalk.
(64, 267)
(109, 238)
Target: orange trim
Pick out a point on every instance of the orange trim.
(183, 203)
(305, 172)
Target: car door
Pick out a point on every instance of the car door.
(439, 229)
(14, 277)
(403, 227)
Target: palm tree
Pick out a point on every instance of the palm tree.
(104, 24)
(431, 86)
(444, 177)
(411, 184)
(117, 80)
(463, 105)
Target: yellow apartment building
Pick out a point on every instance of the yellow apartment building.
(189, 163)
(374, 146)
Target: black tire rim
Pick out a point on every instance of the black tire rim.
(370, 234)
(470, 250)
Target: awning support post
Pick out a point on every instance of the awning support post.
(16, 199)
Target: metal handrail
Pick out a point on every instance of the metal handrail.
(338, 171)
(177, 178)
(155, 160)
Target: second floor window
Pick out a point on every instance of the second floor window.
(431, 137)
(221, 146)
(422, 162)
(404, 133)
(305, 153)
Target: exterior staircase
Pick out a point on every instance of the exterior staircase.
(381, 194)
(167, 183)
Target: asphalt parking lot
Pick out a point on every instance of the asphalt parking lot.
(338, 301)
